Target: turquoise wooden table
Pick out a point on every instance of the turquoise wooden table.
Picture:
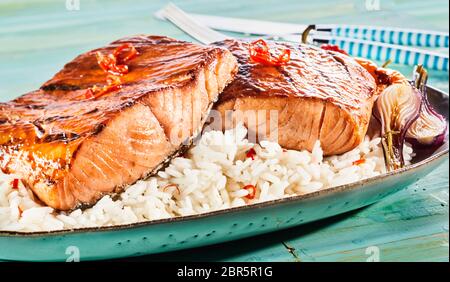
(38, 37)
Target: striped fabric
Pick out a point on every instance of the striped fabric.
(398, 54)
(390, 35)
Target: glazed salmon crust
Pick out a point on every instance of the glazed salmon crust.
(71, 151)
(318, 95)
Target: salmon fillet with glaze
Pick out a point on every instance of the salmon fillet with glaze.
(318, 95)
(71, 151)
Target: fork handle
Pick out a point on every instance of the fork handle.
(391, 35)
(379, 51)
(398, 54)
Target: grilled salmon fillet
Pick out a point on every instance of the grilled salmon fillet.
(71, 150)
(318, 95)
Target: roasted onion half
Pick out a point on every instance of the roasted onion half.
(406, 114)
(430, 128)
(396, 108)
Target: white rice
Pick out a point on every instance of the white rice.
(211, 178)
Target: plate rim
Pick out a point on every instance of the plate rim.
(265, 204)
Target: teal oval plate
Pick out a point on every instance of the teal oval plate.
(220, 226)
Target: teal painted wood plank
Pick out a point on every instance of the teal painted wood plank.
(38, 37)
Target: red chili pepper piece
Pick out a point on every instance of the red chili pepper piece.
(105, 62)
(114, 65)
(334, 48)
(89, 94)
(251, 191)
(109, 64)
(113, 83)
(260, 53)
(113, 80)
(358, 162)
(251, 154)
(129, 51)
(15, 183)
(177, 189)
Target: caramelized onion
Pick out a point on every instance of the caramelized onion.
(430, 128)
(397, 108)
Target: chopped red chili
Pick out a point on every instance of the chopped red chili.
(175, 192)
(251, 154)
(113, 80)
(15, 183)
(358, 162)
(114, 65)
(177, 189)
(125, 53)
(89, 94)
(260, 53)
(334, 48)
(109, 64)
(113, 83)
(251, 191)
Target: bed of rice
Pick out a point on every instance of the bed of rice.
(211, 177)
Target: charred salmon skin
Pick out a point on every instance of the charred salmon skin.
(71, 147)
(317, 95)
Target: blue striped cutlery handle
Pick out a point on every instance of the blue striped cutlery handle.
(380, 51)
(391, 35)
(398, 54)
